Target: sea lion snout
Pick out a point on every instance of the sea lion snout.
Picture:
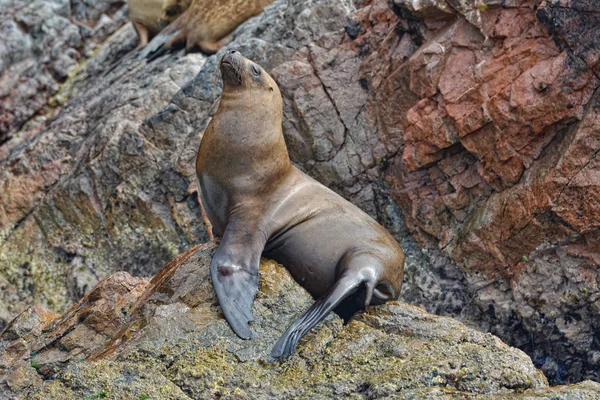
(233, 65)
(239, 72)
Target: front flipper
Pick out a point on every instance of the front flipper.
(343, 288)
(234, 273)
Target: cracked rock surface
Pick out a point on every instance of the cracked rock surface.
(42, 43)
(499, 166)
(468, 128)
(131, 338)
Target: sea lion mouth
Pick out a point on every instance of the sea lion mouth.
(232, 66)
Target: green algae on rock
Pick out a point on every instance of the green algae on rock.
(166, 338)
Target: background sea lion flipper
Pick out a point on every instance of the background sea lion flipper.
(343, 288)
(234, 273)
(169, 39)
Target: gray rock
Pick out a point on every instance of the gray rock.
(166, 338)
(42, 43)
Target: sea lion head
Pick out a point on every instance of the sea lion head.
(239, 73)
(251, 103)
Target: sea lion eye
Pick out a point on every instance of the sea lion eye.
(255, 70)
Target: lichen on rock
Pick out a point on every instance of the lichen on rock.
(166, 338)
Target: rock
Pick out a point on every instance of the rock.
(42, 43)
(498, 153)
(87, 211)
(469, 129)
(129, 338)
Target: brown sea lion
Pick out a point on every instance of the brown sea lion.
(207, 23)
(262, 205)
(172, 9)
(145, 15)
(150, 16)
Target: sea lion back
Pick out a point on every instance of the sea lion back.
(207, 23)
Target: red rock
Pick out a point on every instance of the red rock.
(520, 178)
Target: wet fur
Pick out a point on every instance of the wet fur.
(260, 204)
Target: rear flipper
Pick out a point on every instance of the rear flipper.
(347, 286)
(175, 41)
(142, 33)
(170, 39)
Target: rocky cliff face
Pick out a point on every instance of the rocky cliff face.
(130, 338)
(498, 166)
(42, 42)
(469, 129)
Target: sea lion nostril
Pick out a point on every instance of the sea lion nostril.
(230, 70)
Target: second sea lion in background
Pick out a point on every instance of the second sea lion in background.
(145, 15)
(150, 16)
(259, 203)
(207, 23)
(172, 9)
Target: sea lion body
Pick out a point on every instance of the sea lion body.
(262, 205)
(207, 23)
(324, 230)
(307, 213)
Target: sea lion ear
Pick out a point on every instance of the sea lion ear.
(271, 88)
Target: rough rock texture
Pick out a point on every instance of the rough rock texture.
(88, 194)
(469, 129)
(169, 340)
(500, 159)
(42, 42)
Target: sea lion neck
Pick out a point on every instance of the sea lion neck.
(245, 137)
(251, 109)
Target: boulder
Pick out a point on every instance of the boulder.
(129, 338)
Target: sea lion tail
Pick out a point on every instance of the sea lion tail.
(343, 288)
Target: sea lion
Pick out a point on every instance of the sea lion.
(207, 23)
(172, 9)
(145, 15)
(260, 204)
